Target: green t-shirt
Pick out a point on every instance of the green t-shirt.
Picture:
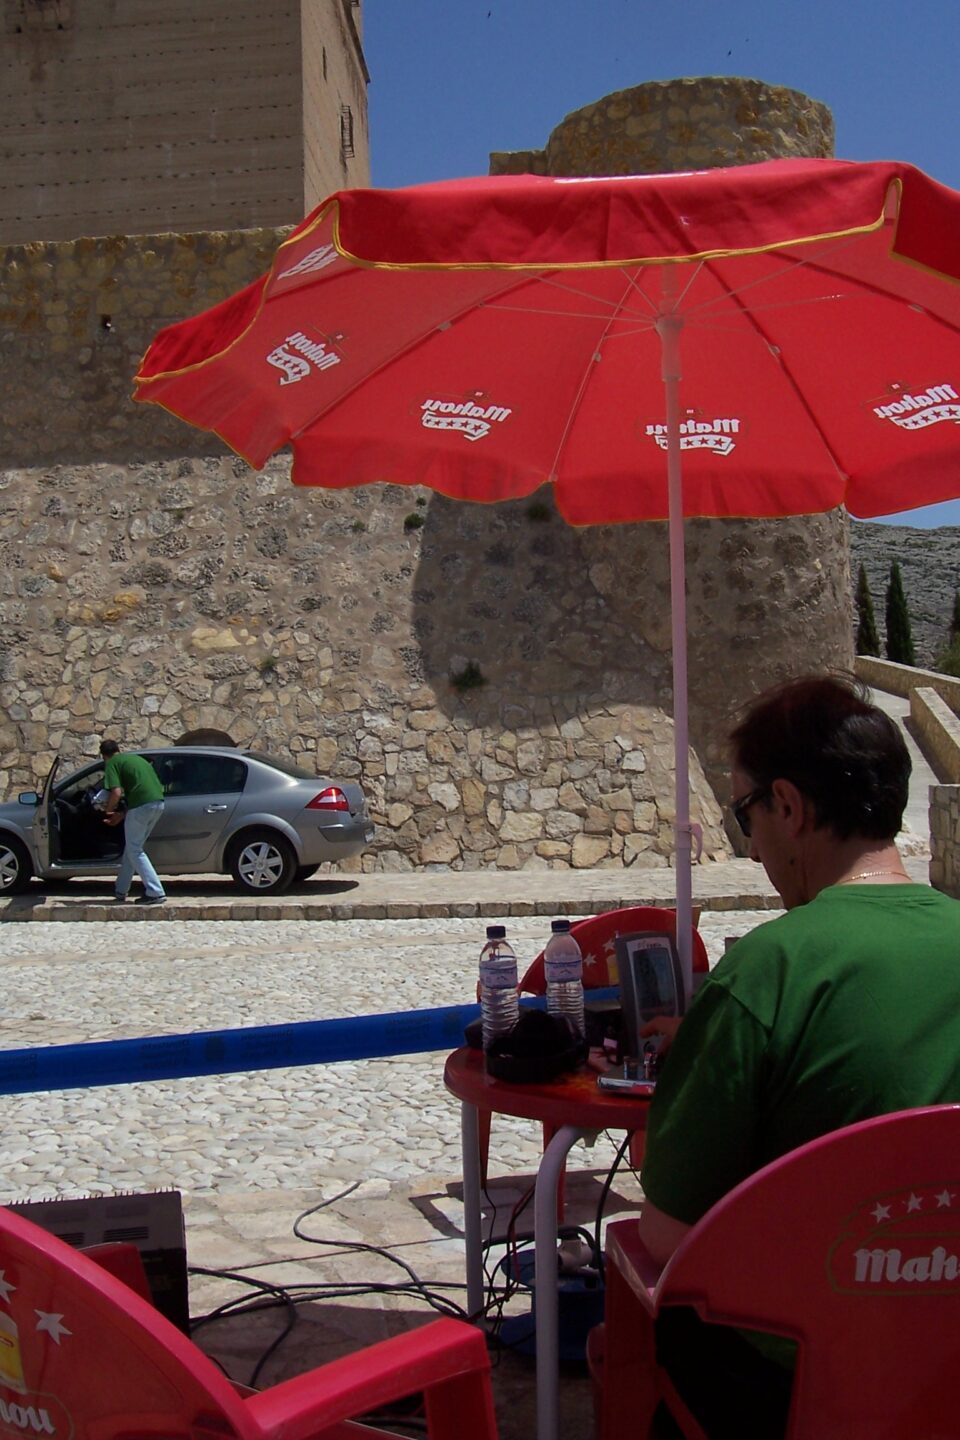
(841, 1009)
(136, 777)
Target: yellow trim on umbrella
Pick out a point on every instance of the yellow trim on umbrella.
(550, 265)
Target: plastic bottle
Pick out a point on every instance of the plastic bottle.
(499, 1002)
(563, 971)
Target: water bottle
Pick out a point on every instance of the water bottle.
(563, 971)
(499, 1002)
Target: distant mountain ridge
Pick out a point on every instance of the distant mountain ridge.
(930, 565)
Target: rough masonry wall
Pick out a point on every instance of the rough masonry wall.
(76, 317)
(693, 123)
(343, 629)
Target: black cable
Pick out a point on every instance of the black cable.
(281, 1297)
(597, 1247)
(362, 1248)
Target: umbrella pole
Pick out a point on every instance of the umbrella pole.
(669, 327)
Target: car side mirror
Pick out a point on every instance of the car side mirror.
(28, 797)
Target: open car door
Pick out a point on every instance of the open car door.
(46, 837)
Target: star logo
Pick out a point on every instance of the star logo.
(943, 1200)
(6, 1289)
(52, 1324)
(880, 1212)
(913, 1202)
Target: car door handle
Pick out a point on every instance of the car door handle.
(211, 809)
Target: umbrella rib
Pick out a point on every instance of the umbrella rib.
(790, 264)
(775, 350)
(870, 287)
(582, 387)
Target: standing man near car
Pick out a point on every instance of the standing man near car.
(133, 779)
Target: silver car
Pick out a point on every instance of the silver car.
(262, 820)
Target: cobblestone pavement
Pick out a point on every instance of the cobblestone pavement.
(390, 1119)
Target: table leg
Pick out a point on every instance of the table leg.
(472, 1227)
(545, 1261)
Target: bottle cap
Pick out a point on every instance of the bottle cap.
(559, 927)
(496, 932)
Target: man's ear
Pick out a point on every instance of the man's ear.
(791, 805)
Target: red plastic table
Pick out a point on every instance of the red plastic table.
(576, 1106)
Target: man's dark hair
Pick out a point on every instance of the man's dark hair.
(844, 754)
(108, 748)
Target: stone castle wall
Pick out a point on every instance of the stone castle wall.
(150, 585)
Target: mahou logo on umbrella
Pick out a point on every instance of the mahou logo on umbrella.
(917, 412)
(471, 420)
(714, 435)
(299, 355)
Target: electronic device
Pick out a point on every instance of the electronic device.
(152, 1221)
(625, 1085)
(651, 982)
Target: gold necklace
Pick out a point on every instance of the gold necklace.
(869, 874)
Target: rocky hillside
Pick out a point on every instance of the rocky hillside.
(930, 566)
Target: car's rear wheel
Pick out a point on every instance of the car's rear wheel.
(16, 870)
(305, 871)
(262, 863)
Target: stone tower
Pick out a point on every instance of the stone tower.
(767, 599)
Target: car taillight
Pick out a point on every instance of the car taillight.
(332, 798)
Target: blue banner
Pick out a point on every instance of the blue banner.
(223, 1052)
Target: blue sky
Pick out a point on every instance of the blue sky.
(452, 80)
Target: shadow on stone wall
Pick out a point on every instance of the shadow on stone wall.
(556, 618)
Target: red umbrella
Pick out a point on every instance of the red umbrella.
(485, 336)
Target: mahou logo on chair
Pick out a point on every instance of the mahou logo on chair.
(901, 1243)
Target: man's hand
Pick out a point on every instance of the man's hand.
(665, 1026)
(112, 817)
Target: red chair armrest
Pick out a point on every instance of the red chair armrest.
(441, 1355)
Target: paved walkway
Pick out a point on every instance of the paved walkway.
(372, 1147)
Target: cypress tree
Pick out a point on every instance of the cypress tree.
(899, 638)
(868, 641)
(949, 662)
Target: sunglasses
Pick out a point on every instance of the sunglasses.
(741, 808)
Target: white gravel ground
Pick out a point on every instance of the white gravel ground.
(67, 983)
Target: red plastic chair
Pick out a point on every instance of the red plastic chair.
(849, 1246)
(82, 1355)
(597, 935)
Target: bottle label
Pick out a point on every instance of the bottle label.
(563, 972)
(494, 975)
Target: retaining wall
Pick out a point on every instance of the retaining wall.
(937, 731)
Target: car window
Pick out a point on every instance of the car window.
(286, 767)
(76, 786)
(199, 774)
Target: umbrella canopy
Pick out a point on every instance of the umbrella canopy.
(486, 336)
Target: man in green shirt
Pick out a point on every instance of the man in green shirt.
(843, 1008)
(133, 779)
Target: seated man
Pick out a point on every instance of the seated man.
(843, 1008)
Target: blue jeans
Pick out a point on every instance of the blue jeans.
(137, 825)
